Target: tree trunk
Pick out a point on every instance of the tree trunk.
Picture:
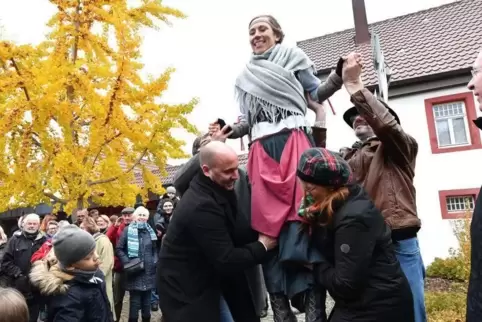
(80, 203)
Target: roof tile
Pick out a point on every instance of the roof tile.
(168, 178)
(428, 42)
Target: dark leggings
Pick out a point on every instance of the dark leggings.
(140, 300)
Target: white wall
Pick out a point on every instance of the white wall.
(434, 172)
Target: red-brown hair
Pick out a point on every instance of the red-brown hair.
(321, 212)
(45, 222)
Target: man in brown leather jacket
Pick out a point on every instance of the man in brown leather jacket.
(384, 164)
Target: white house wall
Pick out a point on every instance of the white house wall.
(434, 172)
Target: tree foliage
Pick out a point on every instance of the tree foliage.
(77, 118)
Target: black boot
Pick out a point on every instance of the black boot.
(281, 308)
(148, 319)
(154, 307)
(315, 305)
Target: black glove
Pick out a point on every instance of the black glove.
(339, 67)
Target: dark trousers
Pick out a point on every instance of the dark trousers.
(119, 292)
(33, 310)
(140, 300)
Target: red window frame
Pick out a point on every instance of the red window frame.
(443, 194)
(474, 132)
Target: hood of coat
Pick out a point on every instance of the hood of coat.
(50, 281)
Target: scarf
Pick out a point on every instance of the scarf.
(85, 276)
(308, 206)
(133, 237)
(31, 236)
(268, 85)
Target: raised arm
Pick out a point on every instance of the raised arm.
(240, 129)
(183, 176)
(319, 128)
(398, 145)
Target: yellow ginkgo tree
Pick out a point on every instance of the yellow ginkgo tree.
(77, 119)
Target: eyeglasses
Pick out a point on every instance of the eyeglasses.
(475, 71)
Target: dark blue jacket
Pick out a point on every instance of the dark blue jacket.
(148, 253)
(72, 298)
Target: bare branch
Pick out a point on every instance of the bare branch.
(93, 183)
(113, 96)
(55, 198)
(36, 142)
(14, 64)
(102, 147)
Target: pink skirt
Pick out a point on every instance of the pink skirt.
(275, 190)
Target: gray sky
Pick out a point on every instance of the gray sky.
(210, 47)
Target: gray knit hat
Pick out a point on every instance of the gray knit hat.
(72, 244)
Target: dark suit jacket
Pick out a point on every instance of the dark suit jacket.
(200, 259)
(244, 233)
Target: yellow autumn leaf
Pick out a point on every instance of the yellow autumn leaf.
(78, 120)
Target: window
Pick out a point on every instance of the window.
(455, 203)
(450, 124)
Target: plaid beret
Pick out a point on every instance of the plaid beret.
(322, 167)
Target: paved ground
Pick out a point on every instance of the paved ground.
(156, 316)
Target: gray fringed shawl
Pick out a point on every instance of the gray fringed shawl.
(268, 84)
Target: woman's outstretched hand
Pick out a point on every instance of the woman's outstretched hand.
(213, 128)
(218, 134)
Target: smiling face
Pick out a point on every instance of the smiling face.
(475, 84)
(101, 223)
(224, 171)
(141, 217)
(264, 33)
(363, 131)
(168, 207)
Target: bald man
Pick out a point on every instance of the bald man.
(201, 258)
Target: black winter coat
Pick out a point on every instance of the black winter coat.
(16, 262)
(474, 294)
(361, 271)
(200, 259)
(4, 280)
(72, 298)
(148, 253)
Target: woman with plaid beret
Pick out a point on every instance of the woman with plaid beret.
(360, 269)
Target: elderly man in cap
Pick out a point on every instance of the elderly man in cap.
(384, 164)
(114, 234)
(474, 294)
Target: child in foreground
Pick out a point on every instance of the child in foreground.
(74, 287)
(13, 308)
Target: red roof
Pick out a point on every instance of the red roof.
(434, 41)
